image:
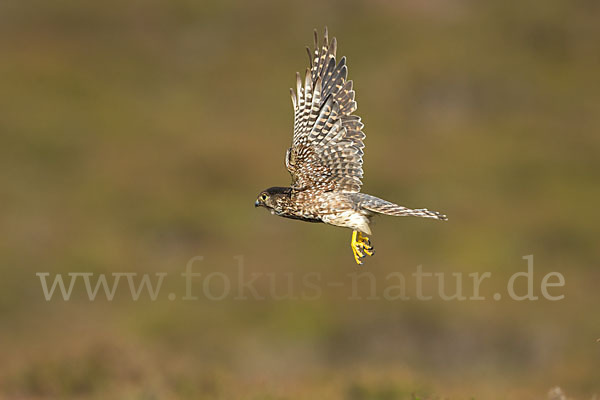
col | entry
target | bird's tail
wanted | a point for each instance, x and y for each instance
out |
(377, 205)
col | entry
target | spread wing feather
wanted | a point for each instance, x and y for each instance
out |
(326, 152)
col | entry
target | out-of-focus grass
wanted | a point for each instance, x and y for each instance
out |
(136, 136)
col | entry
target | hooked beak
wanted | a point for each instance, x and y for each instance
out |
(256, 203)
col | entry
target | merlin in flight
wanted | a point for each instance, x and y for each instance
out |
(325, 158)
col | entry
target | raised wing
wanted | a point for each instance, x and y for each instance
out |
(326, 152)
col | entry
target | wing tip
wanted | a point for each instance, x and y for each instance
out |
(293, 95)
(333, 46)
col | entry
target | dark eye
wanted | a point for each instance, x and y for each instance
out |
(263, 197)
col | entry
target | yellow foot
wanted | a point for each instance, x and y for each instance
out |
(361, 247)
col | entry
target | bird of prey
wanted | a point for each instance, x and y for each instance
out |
(325, 157)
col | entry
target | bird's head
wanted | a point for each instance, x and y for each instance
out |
(273, 199)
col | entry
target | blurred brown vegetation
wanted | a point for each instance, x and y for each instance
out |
(136, 135)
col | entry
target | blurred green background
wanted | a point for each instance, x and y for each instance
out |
(136, 135)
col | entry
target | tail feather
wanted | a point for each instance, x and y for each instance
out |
(377, 205)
